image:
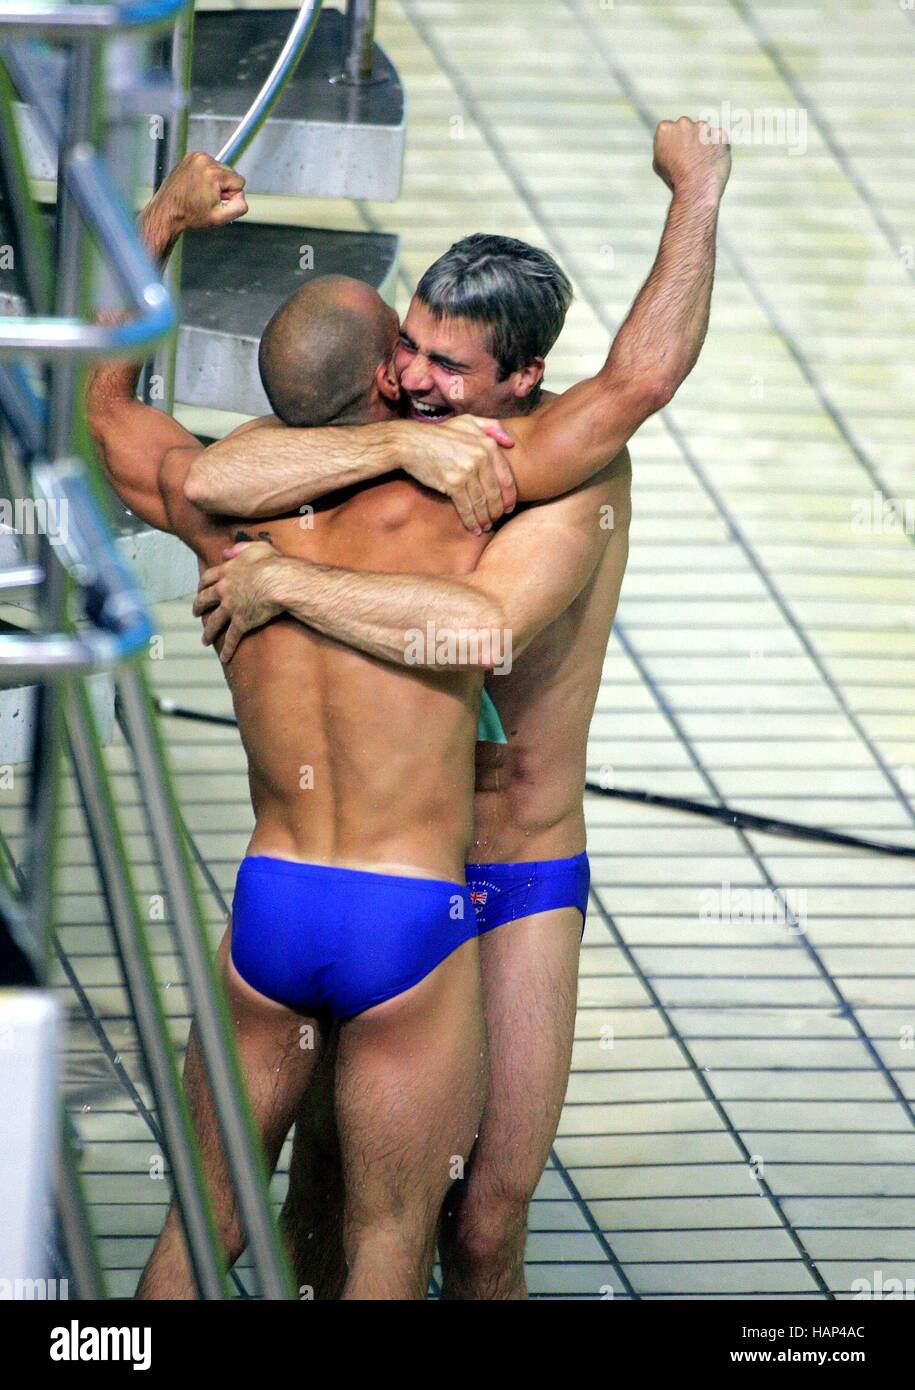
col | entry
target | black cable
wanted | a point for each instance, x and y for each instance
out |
(165, 706)
(740, 820)
(746, 820)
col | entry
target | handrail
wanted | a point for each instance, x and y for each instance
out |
(96, 196)
(21, 577)
(113, 600)
(285, 65)
(25, 659)
(102, 210)
(132, 944)
(81, 21)
(120, 622)
(44, 337)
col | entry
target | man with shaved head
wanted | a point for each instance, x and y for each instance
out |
(322, 347)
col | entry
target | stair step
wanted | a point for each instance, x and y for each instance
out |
(324, 138)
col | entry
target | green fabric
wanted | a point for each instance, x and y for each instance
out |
(489, 728)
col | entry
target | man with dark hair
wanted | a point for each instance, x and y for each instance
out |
(550, 580)
(517, 291)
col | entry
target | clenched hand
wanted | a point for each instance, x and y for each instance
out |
(692, 154)
(200, 193)
(464, 459)
(236, 593)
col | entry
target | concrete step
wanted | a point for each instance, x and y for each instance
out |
(325, 138)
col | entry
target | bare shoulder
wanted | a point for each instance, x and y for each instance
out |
(615, 477)
(186, 519)
(263, 422)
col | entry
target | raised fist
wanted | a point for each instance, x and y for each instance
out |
(692, 155)
(199, 192)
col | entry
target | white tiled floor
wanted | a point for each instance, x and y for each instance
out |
(764, 654)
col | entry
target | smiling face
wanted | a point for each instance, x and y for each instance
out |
(445, 368)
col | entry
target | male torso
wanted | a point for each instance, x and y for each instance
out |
(352, 761)
(528, 803)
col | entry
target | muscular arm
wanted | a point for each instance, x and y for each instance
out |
(133, 439)
(248, 474)
(529, 574)
(136, 442)
(573, 436)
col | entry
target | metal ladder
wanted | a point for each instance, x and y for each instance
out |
(83, 70)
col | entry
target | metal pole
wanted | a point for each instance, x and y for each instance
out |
(25, 223)
(360, 35)
(71, 293)
(216, 1042)
(77, 1233)
(287, 61)
(159, 378)
(143, 989)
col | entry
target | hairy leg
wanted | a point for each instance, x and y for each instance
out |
(277, 1050)
(409, 1096)
(312, 1215)
(529, 970)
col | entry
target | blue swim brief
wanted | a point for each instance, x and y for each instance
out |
(502, 893)
(319, 938)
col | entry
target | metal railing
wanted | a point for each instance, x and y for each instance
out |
(357, 62)
(297, 41)
(61, 19)
(45, 440)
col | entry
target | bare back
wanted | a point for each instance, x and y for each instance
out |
(353, 761)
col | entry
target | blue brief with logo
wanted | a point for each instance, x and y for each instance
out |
(502, 893)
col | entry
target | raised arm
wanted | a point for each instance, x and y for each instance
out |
(529, 573)
(573, 436)
(133, 439)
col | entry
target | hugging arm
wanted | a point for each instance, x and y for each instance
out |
(529, 573)
(252, 474)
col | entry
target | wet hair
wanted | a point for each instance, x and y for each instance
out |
(319, 353)
(517, 291)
